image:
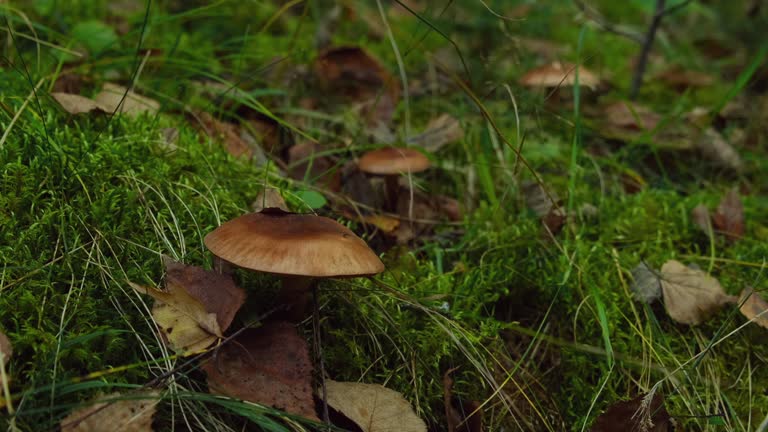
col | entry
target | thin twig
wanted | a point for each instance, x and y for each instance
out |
(608, 26)
(642, 62)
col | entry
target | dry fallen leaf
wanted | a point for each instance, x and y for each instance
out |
(645, 284)
(197, 306)
(690, 295)
(559, 74)
(680, 78)
(269, 365)
(6, 349)
(440, 131)
(729, 217)
(373, 407)
(754, 307)
(538, 199)
(463, 419)
(226, 133)
(114, 413)
(269, 198)
(702, 219)
(713, 146)
(305, 163)
(351, 73)
(75, 104)
(115, 98)
(635, 415)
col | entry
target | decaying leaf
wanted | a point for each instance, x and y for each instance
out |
(115, 98)
(449, 207)
(440, 132)
(713, 146)
(690, 295)
(75, 104)
(269, 365)
(559, 74)
(465, 418)
(353, 74)
(373, 407)
(114, 413)
(538, 199)
(729, 217)
(641, 414)
(646, 286)
(754, 307)
(680, 78)
(269, 198)
(702, 219)
(306, 163)
(197, 306)
(6, 349)
(227, 134)
(386, 224)
(631, 116)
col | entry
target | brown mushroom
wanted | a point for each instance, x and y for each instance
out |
(298, 247)
(559, 74)
(391, 162)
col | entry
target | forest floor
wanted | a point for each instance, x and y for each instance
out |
(571, 257)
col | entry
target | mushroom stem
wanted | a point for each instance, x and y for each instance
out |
(391, 189)
(296, 293)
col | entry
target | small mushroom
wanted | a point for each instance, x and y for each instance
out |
(298, 247)
(559, 74)
(391, 162)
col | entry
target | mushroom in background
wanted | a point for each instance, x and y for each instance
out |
(298, 247)
(390, 163)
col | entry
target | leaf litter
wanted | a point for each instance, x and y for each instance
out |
(196, 307)
(114, 413)
(640, 414)
(373, 407)
(269, 365)
(690, 295)
(754, 307)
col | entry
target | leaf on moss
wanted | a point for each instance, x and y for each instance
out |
(639, 414)
(466, 418)
(729, 217)
(118, 99)
(754, 307)
(440, 131)
(714, 146)
(6, 349)
(690, 295)
(75, 104)
(645, 284)
(269, 198)
(196, 306)
(226, 134)
(373, 407)
(131, 413)
(359, 78)
(269, 365)
(702, 219)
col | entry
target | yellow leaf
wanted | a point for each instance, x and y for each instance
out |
(373, 407)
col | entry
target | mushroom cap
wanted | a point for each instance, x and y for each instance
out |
(393, 160)
(559, 74)
(275, 241)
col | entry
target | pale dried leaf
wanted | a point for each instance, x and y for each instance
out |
(373, 407)
(754, 307)
(6, 349)
(75, 104)
(226, 134)
(690, 295)
(269, 198)
(645, 284)
(729, 217)
(441, 131)
(713, 146)
(537, 198)
(115, 98)
(702, 219)
(110, 414)
(269, 365)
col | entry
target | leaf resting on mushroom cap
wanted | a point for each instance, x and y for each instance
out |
(373, 407)
(690, 295)
(269, 365)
